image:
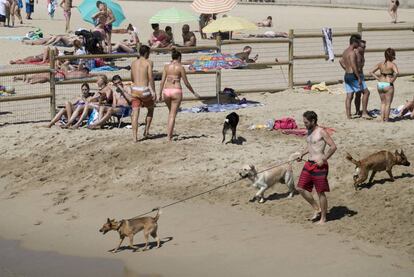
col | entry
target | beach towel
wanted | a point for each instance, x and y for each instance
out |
(302, 132)
(105, 68)
(285, 123)
(93, 117)
(327, 43)
(393, 111)
(12, 37)
(320, 87)
(220, 107)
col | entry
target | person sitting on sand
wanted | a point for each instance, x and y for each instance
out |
(130, 45)
(168, 31)
(159, 39)
(41, 58)
(104, 96)
(266, 23)
(121, 105)
(78, 104)
(244, 56)
(408, 107)
(189, 38)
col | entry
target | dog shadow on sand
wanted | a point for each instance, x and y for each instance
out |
(383, 181)
(277, 196)
(151, 245)
(338, 212)
(238, 141)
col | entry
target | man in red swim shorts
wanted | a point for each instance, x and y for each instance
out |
(315, 171)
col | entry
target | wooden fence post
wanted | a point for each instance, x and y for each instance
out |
(218, 72)
(360, 28)
(52, 83)
(290, 73)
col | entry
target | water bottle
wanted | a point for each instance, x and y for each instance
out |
(269, 124)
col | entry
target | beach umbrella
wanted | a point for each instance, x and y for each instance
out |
(172, 16)
(229, 23)
(213, 6)
(88, 8)
(215, 62)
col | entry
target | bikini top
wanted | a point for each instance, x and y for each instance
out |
(173, 79)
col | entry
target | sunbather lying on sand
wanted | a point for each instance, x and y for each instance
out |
(77, 105)
(266, 23)
(60, 40)
(41, 58)
(408, 107)
(270, 34)
(61, 74)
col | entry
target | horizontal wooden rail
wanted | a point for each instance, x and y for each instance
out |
(24, 72)
(101, 56)
(381, 50)
(186, 50)
(26, 97)
(258, 90)
(314, 57)
(320, 35)
(250, 41)
(387, 28)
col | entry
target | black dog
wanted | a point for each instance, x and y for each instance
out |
(230, 123)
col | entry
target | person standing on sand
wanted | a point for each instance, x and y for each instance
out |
(352, 78)
(360, 58)
(142, 90)
(30, 8)
(315, 170)
(392, 10)
(66, 5)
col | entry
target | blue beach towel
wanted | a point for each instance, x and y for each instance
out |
(220, 107)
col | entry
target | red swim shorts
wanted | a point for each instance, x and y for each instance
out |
(314, 176)
(146, 102)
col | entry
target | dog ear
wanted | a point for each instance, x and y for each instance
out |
(401, 152)
(252, 167)
(108, 220)
(396, 152)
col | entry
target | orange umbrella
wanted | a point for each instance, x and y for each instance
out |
(213, 6)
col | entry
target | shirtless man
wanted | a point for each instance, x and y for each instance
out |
(189, 38)
(392, 10)
(61, 74)
(245, 55)
(66, 5)
(315, 170)
(142, 90)
(352, 79)
(360, 58)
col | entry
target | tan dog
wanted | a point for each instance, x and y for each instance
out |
(282, 174)
(380, 161)
(129, 227)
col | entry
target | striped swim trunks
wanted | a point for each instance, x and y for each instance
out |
(314, 176)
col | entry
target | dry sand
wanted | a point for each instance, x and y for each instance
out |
(58, 186)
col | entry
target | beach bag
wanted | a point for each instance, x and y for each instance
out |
(93, 117)
(285, 123)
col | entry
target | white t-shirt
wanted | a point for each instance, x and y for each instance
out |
(3, 7)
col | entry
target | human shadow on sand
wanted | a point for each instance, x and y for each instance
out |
(151, 245)
(384, 180)
(277, 196)
(179, 138)
(338, 212)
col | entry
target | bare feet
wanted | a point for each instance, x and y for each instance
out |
(321, 222)
(315, 216)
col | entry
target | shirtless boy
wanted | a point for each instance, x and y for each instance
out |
(352, 78)
(142, 90)
(315, 171)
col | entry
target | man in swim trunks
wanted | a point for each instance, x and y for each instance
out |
(360, 58)
(352, 78)
(245, 55)
(315, 171)
(142, 90)
(189, 38)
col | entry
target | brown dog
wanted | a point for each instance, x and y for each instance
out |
(380, 161)
(129, 227)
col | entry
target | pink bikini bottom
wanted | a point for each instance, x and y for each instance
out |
(169, 92)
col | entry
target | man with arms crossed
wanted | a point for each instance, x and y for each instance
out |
(360, 58)
(142, 90)
(352, 79)
(315, 170)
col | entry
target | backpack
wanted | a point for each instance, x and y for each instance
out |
(285, 123)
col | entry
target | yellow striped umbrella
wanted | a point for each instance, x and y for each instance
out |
(213, 6)
(230, 23)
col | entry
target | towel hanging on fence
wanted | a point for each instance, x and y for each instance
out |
(327, 43)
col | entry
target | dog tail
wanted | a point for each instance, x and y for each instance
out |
(352, 160)
(157, 216)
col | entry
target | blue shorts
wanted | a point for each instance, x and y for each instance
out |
(124, 111)
(29, 8)
(351, 83)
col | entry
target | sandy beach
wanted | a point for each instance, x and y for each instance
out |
(57, 187)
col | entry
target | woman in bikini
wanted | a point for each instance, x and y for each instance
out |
(388, 74)
(75, 107)
(128, 46)
(392, 10)
(171, 89)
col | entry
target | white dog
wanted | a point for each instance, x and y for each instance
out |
(282, 174)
